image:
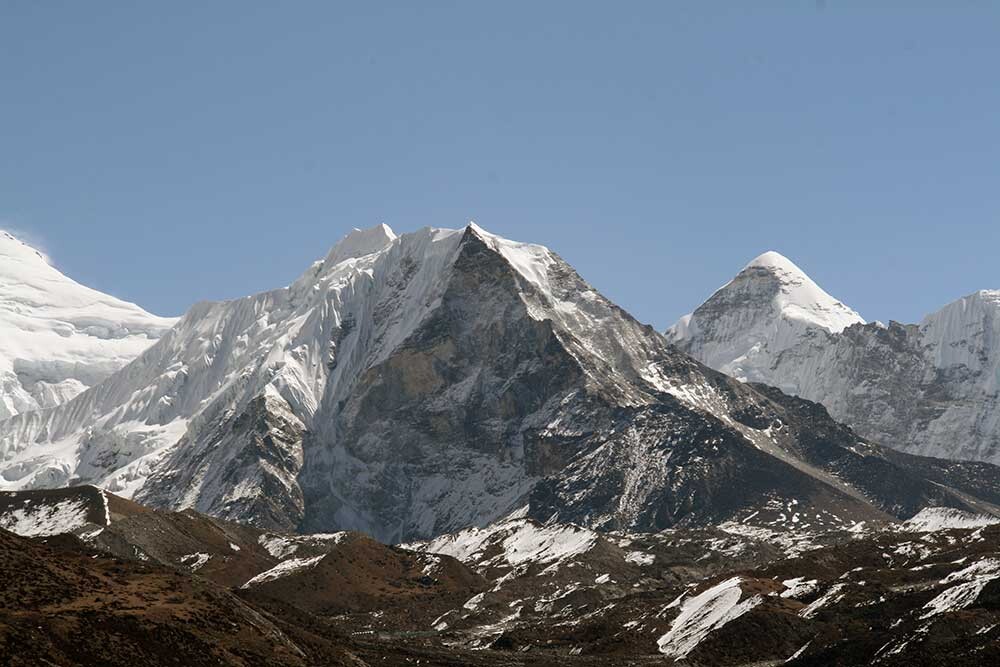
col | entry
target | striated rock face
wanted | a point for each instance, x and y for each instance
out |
(930, 389)
(244, 466)
(417, 385)
(58, 337)
(443, 431)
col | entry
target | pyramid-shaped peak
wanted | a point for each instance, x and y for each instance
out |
(474, 229)
(799, 296)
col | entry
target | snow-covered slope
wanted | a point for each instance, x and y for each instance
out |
(931, 389)
(58, 337)
(946, 518)
(415, 385)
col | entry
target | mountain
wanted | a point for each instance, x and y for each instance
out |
(416, 385)
(931, 389)
(59, 337)
(111, 579)
(769, 306)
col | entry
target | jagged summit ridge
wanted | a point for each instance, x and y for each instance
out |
(58, 336)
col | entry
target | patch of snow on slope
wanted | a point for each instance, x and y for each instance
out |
(195, 561)
(798, 587)
(539, 544)
(974, 579)
(64, 516)
(834, 594)
(799, 652)
(639, 558)
(518, 541)
(107, 507)
(473, 603)
(283, 546)
(793, 543)
(283, 569)
(703, 614)
(931, 519)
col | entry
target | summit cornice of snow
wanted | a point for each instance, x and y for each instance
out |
(13, 249)
(28, 276)
(361, 242)
(773, 259)
(58, 337)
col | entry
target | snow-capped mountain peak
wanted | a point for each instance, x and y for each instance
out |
(59, 337)
(914, 386)
(774, 259)
(767, 308)
(800, 297)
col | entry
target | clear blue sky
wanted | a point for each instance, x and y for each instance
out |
(177, 151)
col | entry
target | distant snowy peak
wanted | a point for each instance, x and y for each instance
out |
(795, 295)
(931, 389)
(768, 307)
(58, 337)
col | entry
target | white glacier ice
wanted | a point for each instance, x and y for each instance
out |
(58, 337)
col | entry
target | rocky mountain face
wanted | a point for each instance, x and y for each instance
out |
(93, 579)
(59, 337)
(411, 386)
(931, 389)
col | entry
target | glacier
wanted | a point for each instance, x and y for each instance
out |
(60, 337)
